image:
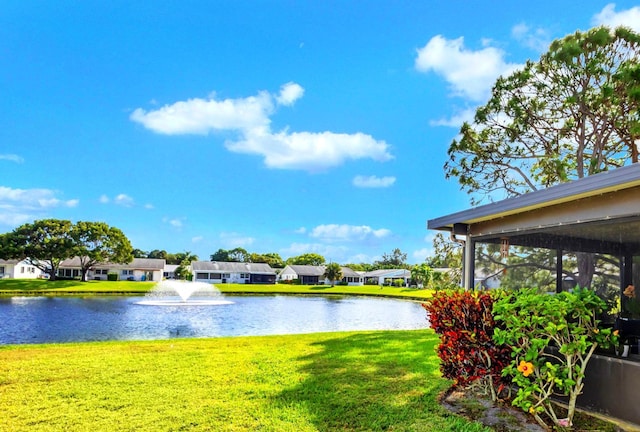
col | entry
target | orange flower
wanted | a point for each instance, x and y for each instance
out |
(616, 332)
(596, 330)
(525, 367)
(630, 291)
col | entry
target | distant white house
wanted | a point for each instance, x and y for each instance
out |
(352, 277)
(19, 269)
(233, 272)
(485, 280)
(387, 276)
(169, 271)
(140, 269)
(314, 275)
(305, 274)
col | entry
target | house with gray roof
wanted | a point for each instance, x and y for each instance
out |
(170, 271)
(314, 275)
(140, 269)
(233, 272)
(19, 269)
(352, 277)
(304, 274)
(387, 276)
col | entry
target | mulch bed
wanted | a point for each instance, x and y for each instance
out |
(501, 416)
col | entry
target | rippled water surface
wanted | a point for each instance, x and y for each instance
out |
(68, 319)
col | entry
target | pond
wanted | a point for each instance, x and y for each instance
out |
(97, 318)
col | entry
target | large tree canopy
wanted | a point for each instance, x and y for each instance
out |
(44, 243)
(97, 242)
(233, 255)
(307, 259)
(271, 258)
(181, 257)
(571, 114)
(395, 259)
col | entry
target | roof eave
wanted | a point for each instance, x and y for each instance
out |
(597, 184)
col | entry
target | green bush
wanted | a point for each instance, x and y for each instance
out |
(552, 339)
(468, 354)
(112, 276)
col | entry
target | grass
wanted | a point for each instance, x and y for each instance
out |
(58, 287)
(352, 381)
(45, 287)
(373, 290)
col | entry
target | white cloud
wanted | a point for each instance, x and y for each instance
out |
(609, 17)
(373, 181)
(12, 157)
(234, 240)
(48, 202)
(18, 206)
(201, 116)
(124, 200)
(362, 258)
(310, 151)
(537, 39)
(33, 198)
(250, 119)
(301, 230)
(15, 218)
(174, 222)
(335, 232)
(469, 73)
(197, 239)
(421, 255)
(289, 93)
(329, 252)
(466, 115)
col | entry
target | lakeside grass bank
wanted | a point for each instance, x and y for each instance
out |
(350, 381)
(15, 287)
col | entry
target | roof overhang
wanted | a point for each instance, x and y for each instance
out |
(599, 212)
(598, 184)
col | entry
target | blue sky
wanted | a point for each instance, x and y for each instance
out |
(275, 126)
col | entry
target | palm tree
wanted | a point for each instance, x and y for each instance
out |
(333, 272)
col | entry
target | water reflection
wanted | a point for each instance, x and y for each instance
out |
(67, 319)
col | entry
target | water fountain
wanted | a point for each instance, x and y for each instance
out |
(184, 293)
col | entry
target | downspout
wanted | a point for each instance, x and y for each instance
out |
(464, 254)
(467, 261)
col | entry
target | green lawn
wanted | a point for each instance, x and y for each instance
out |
(352, 381)
(326, 289)
(43, 286)
(39, 286)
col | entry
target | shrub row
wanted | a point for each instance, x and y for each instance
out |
(540, 343)
(467, 352)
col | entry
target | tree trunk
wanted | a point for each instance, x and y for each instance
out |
(586, 268)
